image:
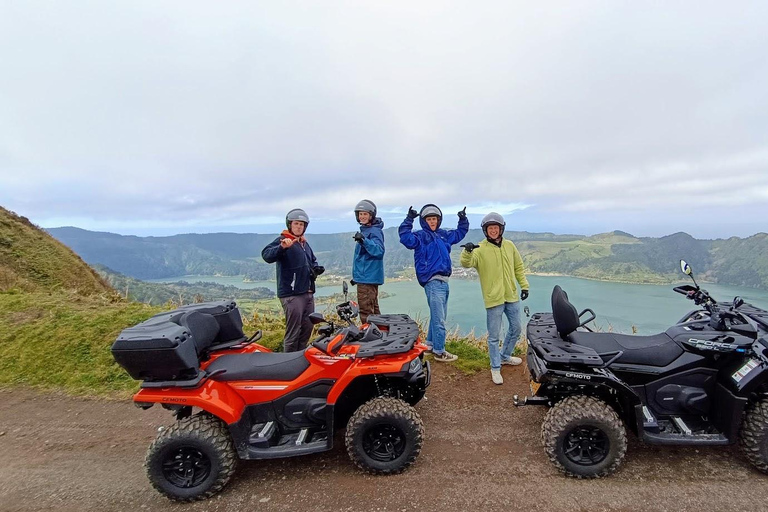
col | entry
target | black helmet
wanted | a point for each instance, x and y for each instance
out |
(365, 206)
(431, 210)
(297, 214)
(489, 220)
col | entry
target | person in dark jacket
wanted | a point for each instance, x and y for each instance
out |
(296, 270)
(432, 259)
(368, 263)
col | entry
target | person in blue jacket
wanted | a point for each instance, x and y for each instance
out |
(432, 259)
(368, 264)
(296, 270)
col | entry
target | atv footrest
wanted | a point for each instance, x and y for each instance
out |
(676, 431)
(262, 434)
(291, 445)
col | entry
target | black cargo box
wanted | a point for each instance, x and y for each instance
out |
(168, 345)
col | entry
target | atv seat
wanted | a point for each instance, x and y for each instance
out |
(259, 366)
(656, 350)
(567, 320)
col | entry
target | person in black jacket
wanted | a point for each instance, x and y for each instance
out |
(296, 270)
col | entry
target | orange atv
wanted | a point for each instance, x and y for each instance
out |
(256, 404)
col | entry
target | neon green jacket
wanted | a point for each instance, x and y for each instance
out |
(498, 267)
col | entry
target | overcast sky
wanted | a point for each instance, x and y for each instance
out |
(149, 117)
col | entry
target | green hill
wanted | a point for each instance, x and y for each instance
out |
(58, 317)
(614, 256)
(32, 260)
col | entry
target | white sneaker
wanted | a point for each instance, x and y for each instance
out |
(496, 377)
(445, 357)
(512, 361)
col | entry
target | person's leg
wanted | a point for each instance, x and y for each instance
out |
(376, 310)
(366, 298)
(437, 298)
(308, 307)
(493, 318)
(512, 311)
(293, 308)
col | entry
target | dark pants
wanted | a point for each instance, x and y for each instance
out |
(368, 300)
(298, 327)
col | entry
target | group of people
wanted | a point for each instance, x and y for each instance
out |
(496, 259)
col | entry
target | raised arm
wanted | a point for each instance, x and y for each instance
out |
(272, 252)
(407, 238)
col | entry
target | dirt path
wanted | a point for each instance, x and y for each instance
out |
(61, 453)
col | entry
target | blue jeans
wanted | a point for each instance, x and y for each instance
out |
(437, 299)
(494, 317)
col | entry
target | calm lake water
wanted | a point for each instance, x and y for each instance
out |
(650, 308)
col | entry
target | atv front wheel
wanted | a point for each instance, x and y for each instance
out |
(384, 436)
(754, 435)
(584, 437)
(191, 460)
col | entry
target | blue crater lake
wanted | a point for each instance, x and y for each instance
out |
(618, 306)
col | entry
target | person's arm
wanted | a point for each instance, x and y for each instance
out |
(273, 252)
(457, 235)
(407, 238)
(374, 244)
(520, 269)
(469, 259)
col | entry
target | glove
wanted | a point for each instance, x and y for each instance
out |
(412, 214)
(463, 213)
(523, 294)
(359, 237)
(318, 270)
(469, 247)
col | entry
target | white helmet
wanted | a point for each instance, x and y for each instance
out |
(491, 219)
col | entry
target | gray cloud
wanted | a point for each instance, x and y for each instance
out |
(134, 115)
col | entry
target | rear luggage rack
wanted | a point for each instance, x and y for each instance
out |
(400, 334)
(545, 340)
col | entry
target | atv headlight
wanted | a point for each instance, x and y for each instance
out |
(415, 366)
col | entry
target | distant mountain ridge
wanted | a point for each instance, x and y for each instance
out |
(615, 256)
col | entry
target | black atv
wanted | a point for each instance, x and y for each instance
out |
(702, 382)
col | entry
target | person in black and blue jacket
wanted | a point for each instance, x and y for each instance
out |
(296, 270)
(368, 263)
(432, 259)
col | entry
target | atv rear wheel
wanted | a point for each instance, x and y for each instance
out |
(584, 437)
(754, 435)
(191, 460)
(384, 436)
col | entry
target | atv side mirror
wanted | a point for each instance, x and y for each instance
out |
(687, 270)
(316, 318)
(345, 289)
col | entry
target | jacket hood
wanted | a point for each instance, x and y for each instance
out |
(423, 222)
(377, 223)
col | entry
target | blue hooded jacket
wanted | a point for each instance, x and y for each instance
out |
(368, 265)
(432, 249)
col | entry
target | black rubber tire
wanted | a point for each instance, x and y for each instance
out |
(754, 435)
(385, 413)
(583, 413)
(203, 435)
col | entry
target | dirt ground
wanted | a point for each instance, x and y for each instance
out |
(480, 453)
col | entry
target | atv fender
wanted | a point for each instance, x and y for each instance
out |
(213, 397)
(390, 367)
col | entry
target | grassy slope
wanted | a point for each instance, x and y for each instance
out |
(31, 259)
(62, 340)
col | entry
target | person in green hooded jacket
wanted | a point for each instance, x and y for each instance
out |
(500, 267)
